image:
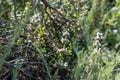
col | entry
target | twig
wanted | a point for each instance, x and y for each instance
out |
(15, 4)
(29, 75)
(54, 9)
(22, 63)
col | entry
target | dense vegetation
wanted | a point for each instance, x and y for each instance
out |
(59, 39)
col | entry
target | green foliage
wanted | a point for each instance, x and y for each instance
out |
(60, 39)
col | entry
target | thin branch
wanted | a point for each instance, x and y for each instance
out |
(15, 4)
(54, 9)
(28, 74)
(22, 63)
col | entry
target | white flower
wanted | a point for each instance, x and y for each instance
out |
(29, 41)
(62, 50)
(99, 35)
(115, 31)
(78, 29)
(114, 9)
(35, 18)
(65, 64)
(62, 40)
(66, 33)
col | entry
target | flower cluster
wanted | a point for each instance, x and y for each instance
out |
(35, 18)
(97, 42)
(61, 64)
